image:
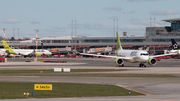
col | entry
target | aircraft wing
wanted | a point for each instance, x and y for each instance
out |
(162, 55)
(108, 56)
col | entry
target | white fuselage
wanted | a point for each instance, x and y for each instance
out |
(31, 51)
(46, 52)
(174, 51)
(24, 52)
(135, 55)
(28, 51)
(2, 51)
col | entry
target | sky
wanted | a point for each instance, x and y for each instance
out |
(53, 18)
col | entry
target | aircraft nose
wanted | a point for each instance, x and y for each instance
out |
(145, 58)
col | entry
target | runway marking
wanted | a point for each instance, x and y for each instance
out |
(53, 81)
(22, 76)
(175, 65)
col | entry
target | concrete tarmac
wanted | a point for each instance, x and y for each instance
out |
(167, 89)
(99, 62)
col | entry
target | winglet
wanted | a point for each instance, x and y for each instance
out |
(118, 42)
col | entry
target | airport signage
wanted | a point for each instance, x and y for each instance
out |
(42, 86)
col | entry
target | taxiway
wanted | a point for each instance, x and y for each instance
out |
(165, 89)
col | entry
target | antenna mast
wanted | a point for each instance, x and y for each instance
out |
(154, 20)
(72, 28)
(114, 27)
(150, 25)
(18, 32)
(117, 23)
(14, 33)
(75, 27)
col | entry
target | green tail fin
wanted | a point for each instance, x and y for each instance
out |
(118, 42)
(7, 48)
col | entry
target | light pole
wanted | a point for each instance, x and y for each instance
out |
(36, 41)
(75, 33)
(4, 41)
(14, 33)
(18, 32)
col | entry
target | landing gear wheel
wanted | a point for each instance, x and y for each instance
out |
(121, 65)
(142, 65)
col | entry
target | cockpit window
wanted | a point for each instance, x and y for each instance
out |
(144, 54)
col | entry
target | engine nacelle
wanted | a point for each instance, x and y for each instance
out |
(119, 62)
(7, 51)
(38, 54)
(152, 61)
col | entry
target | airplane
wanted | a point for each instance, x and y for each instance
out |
(132, 56)
(175, 47)
(25, 52)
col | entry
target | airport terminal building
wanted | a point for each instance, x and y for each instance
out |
(157, 39)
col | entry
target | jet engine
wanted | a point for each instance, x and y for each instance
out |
(152, 61)
(38, 54)
(7, 51)
(119, 62)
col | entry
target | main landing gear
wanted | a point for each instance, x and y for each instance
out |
(121, 65)
(142, 64)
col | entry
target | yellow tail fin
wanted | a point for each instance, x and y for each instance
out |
(7, 48)
(118, 42)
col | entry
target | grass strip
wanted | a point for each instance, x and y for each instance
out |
(16, 90)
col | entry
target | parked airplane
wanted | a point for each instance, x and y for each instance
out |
(132, 56)
(25, 52)
(175, 47)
